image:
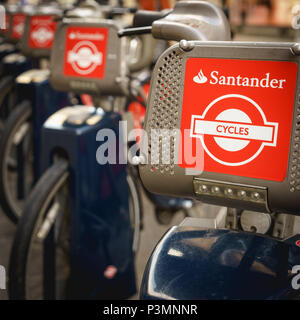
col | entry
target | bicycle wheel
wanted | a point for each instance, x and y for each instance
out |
(39, 261)
(135, 211)
(49, 203)
(16, 161)
(8, 98)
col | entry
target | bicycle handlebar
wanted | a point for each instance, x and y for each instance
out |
(189, 20)
(145, 18)
(127, 32)
(115, 11)
(142, 22)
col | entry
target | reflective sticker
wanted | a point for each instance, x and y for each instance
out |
(110, 272)
(242, 112)
(18, 21)
(41, 32)
(85, 52)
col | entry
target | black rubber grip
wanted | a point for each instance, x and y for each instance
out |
(120, 11)
(145, 18)
(134, 31)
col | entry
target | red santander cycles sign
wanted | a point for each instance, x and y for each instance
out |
(85, 52)
(41, 32)
(18, 21)
(242, 112)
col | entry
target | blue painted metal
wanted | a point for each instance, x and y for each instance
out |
(9, 70)
(5, 51)
(44, 101)
(101, 234)
(190, 263)
(15, 68)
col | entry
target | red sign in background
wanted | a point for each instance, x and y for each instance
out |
(41, 32)
(85, 52)
(18, 21)
(244, 125)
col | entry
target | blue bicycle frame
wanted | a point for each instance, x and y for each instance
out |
(101, 234)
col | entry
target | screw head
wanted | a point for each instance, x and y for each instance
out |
(118, 80)
(203, 188)
(256, 196)
(229, 192)
(186, 45)
(137, 160)
(242, 194)
(215, 189)
(296, 48)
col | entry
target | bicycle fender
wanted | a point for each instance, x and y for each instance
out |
(194, 263)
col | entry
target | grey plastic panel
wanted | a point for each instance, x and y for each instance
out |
(12, 10)
(164, 111)
(113, 81)
(42, 32)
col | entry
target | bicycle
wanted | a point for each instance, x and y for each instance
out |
(109, 207)
(254, 253)
(28, 84)
(12, 62)
(79, 182)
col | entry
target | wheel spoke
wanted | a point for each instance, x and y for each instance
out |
(20, 134)
(20, 171)
(48, 222)
(49, 266)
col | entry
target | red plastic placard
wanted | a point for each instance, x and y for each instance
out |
(41, 32)
(85, 52)
(242, 112)
(18, 21)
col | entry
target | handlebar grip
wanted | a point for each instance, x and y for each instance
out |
(134, 31)
(144, 18)
(120, 11)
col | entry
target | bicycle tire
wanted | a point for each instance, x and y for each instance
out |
(35, 207)
(136, 218)
(6, 90)
(17, 118)
(34, 210)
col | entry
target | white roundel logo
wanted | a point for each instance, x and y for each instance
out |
(234, 130)
(42, 35)
(84, 57)
(18, 28)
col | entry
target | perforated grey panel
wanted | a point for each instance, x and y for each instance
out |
(294, 171)
(114, 81)
(164, 114)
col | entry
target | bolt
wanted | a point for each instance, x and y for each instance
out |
(118, 80)
(203, 188)
(255, 196)
(296, 49)
(229, 192)
(137, 160)
(186, 45)
(216, 190)
(242, 194)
